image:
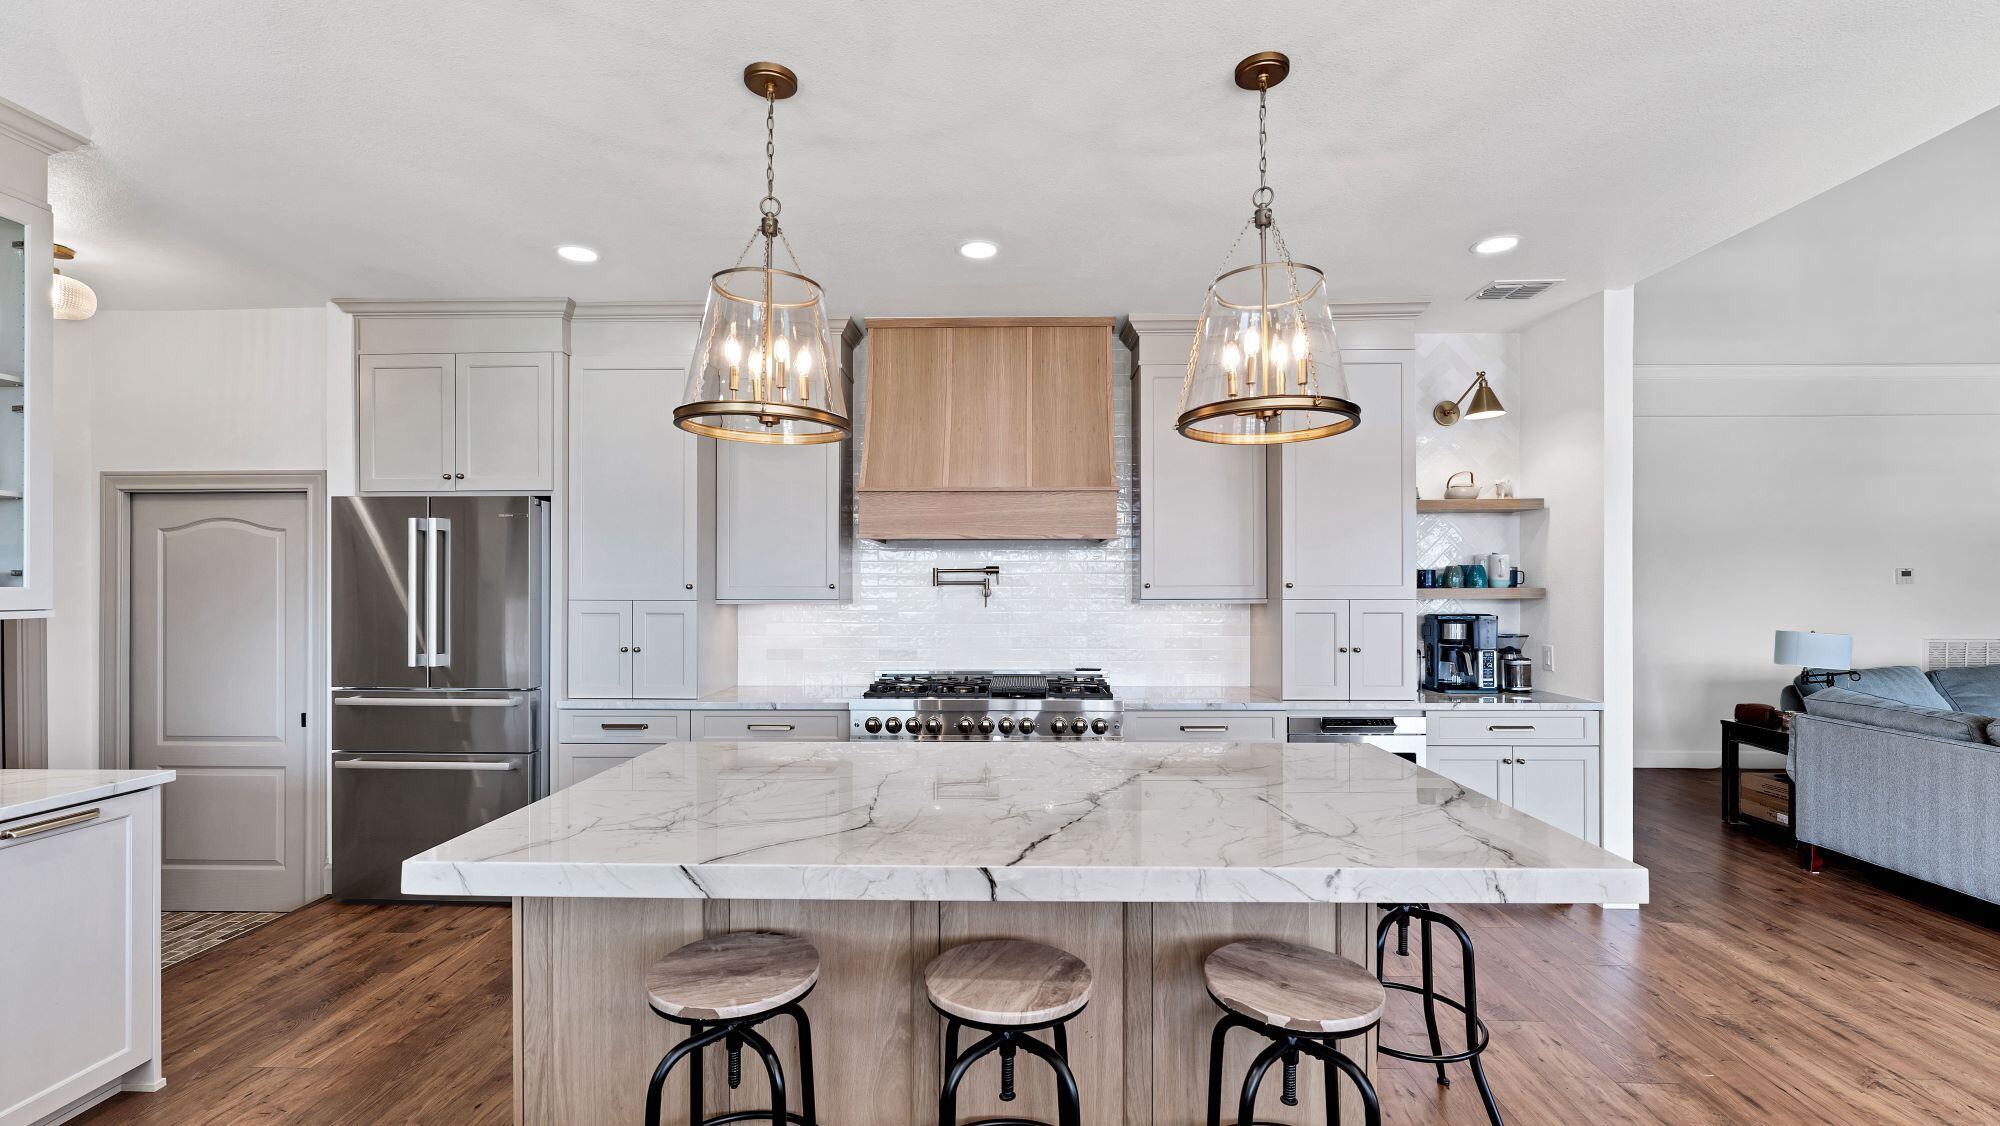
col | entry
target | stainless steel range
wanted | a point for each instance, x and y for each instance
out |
(951, 706)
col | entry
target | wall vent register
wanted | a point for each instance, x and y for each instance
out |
(966, 706)
(1518, 290)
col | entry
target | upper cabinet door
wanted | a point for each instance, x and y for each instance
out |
(1201, 505)
(405, 429)
(506, 427)
(632, 475)
(1350, 500)
(777, 522)
(27, 338)
(1382, 650)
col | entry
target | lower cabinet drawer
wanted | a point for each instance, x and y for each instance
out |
(770, 727)
(1198, 727)
(1512, 727)
(621, 727)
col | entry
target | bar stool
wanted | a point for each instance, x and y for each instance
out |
(1303, 1000)
(721, 988)
(1476, 1037)
(1007, 988)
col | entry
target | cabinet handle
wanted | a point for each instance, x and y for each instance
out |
(623, 726)
(1204, 727)
(51, 824)
(1510, 727)
(769, 726)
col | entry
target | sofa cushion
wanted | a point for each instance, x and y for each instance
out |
(1904, 684)
(1894, 715)
(1976, 689)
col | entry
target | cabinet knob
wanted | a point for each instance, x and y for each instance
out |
(635, 649)
(1357, 649)
(832, 586)
(1288, 586)
(689, 586)
(460, 476)
(1149, 586)
(447, 476)
(1343, 648)
(624, 648)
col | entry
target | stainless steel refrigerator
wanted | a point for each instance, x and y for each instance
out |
(439, 610)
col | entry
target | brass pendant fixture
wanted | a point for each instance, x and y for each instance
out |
(1265, 366)
(763, 368)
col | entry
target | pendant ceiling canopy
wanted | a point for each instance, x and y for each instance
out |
(1265, 366)
(763, 367)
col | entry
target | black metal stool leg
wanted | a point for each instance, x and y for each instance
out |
(806, 1092)
(1216, 1042)
(695, 1042)
(774, 1073)
(696, 1081)
(955, 1074)
(1069, 1104)
(1332, 1092)
(1430, 1006)
(1473, 1027)
(1246, 1103)
(1371, 1104)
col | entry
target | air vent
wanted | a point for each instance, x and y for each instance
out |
(1960, 653)
(1518, 290)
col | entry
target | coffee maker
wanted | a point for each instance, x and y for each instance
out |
(1461, 652)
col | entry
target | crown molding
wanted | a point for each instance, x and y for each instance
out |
(453, 307)
(1384, 309)
(637, 311)
(37, 132)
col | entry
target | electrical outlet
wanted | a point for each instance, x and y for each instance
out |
(1548, 658)
(1906, 576)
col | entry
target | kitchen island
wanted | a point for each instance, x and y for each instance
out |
(1138, 858)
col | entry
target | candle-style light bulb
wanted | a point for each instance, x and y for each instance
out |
(781, 354)
(1280, 355)
(1299, 351)
(1232, 358)
(732, 355)
(802, 366)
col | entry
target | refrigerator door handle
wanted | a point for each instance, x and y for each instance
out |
(441, 640)
(415, 764)
(428, 701)
(410, 590)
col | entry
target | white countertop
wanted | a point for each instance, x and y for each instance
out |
(785, 697)
(1093, 822)
(27, 792)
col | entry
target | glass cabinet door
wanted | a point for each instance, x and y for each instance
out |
(16, 291)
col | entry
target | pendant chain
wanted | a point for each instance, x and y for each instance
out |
(770, 149)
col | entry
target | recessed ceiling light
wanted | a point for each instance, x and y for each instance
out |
(978, 248)
(577, 253)
(1496, 244)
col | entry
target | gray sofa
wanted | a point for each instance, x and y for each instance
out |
(1901, 769)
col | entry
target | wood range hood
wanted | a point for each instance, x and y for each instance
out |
(987, 429)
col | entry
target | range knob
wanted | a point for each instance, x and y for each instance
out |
(1058, 726)
(934, 725)
(965, 725)
(986, 725)
(1027, 725)
(1099, 726)
(894, 725)
(873, 725)
(1007, 725)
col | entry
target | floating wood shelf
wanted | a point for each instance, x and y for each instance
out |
(1488, 504)
(1481, 593)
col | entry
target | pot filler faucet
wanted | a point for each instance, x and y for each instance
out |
(985, 578)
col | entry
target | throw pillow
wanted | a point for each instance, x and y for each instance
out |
(1893, 715)
(1904, 684)
(1975, 689)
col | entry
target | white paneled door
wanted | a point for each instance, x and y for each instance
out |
(220, 677)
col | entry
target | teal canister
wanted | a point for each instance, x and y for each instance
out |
(1452, 577)
(1475, 574)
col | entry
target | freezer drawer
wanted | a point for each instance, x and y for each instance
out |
(437, 722)
(389, 807)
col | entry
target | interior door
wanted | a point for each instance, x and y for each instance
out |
(219, 684)
(490, 559)
(404, 432)
(504, 420)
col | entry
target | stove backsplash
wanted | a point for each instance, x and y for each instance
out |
(1067, 604)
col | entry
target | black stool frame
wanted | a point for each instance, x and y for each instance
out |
(1400, 915)
(1287, 1045)
(737, 1032)
(1007, 1039)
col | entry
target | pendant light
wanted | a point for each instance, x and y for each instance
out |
(71, 299)
(763, 367)
(1265, 366)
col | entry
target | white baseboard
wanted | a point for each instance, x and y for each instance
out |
(1704, 759)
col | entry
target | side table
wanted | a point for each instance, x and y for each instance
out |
(1736, 736)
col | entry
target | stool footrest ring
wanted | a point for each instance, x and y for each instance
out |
(1477, 1046)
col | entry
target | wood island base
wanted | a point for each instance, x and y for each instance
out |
(585, 1041)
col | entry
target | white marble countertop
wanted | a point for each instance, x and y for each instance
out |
(783, 697)
(24, 793)
(1097, 822)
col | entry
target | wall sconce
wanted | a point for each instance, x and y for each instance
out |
(1485, 404)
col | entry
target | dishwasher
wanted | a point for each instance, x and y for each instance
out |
(1401, 735)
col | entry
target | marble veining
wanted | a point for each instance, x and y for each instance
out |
(27, 792)
(1095, 822)
(1167, 698)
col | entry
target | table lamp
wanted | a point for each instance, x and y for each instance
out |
(1821, 657)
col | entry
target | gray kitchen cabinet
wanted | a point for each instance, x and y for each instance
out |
(778, 522)
(1201, 504)
(633, 501)
(1349, 649)
(575, 762)
(1347, 504)
(466, 422)
(663, 650)
(1545, 764)
(619, 725)
(631, 650)
(600, 650)
(770, 727)
(1204, 727)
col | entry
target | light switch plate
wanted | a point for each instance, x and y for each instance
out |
(1548, 658)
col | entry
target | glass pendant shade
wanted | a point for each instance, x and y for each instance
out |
(72, 300)
(1266, 361)
(764, 368)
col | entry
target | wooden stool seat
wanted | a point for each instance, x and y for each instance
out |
(1289, 986)
(731, 976)
(1007, 982)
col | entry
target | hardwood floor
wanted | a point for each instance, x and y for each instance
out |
(1748, 992)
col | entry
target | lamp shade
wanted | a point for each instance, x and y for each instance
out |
(71, 299)
(1484, 404)
(1809, 650)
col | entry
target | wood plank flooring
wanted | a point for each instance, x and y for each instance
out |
(1748, 992)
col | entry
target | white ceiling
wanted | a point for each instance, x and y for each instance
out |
(280, 154)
